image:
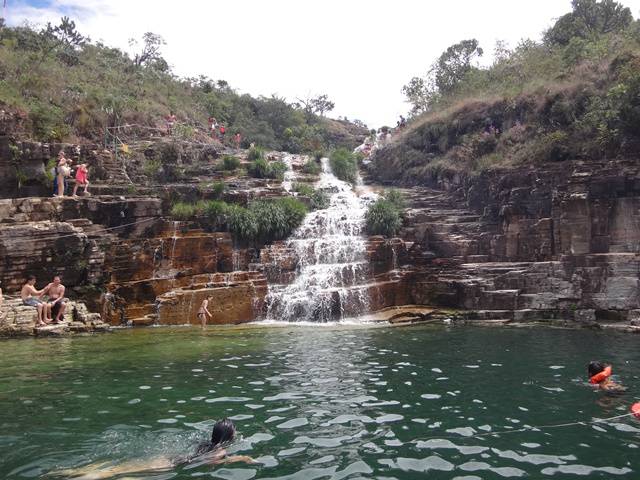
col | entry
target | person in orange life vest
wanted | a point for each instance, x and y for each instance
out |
(600, 375)
(222, 132)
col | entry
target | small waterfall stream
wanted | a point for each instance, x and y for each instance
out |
(333, 268)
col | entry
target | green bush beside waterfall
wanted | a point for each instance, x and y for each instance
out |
(260, 222)
(384, 216)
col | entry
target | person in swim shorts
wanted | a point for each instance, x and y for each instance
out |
(57, 302)
(203, 312)
(31, 298)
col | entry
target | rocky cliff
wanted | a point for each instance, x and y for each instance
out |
(556, 241)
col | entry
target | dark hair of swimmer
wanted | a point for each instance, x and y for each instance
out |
(595, 368)
(223, 431)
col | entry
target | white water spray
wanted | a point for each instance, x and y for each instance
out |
(333, 267)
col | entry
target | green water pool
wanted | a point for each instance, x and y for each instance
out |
(322, 402)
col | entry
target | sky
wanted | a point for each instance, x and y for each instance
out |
(359, 52)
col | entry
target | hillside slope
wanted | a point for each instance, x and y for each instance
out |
(569, 97)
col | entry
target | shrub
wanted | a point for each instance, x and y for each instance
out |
(277, 219)
(317, 198)
(395, 197)
(218, 189)
(255, 153)
(344, 165)
(183, 211)
(303, 189)
(241, 223)
(230, 163)
(311, 167)
(276, 170)
(259, 168)
(152, 168)
(383, 218)
(214, 209)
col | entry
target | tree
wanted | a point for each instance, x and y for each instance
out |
(319, 104)
(454, 64)
(589, 19)
(150, 54)
(64, 39)
(420, 93)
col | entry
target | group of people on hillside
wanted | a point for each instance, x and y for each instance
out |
(51, 309)
(62, 171)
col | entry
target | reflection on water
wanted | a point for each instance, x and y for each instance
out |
(320, 403)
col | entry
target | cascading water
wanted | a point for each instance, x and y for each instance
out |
(333, 267)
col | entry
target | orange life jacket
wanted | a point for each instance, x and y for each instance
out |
(602, 376)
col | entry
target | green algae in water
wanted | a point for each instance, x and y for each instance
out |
(321, 402)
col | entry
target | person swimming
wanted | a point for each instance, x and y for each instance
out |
(600, 375)
(211, 452)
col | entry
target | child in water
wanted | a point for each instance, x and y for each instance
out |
(210, 452)
(600, 375)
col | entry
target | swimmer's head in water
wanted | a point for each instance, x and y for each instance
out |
(223, 431)
(595, 368)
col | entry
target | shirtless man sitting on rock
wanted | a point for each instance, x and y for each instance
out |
(55, 291)
(31, 298)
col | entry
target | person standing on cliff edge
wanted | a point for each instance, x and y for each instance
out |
(203, 312)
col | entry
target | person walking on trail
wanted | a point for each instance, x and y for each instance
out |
(203, 312)
(171, 121)
(63, 170)
(82, 174)
(57, 302)
(31, 298)
(213, 126)
(237, 139)
(222, 133)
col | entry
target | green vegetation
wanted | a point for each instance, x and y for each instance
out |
(230, 163)
(574, 95)
(317, 198)
(344, 165)
(67, 87)
(384, 216)
(262, 221)
(261, 168)
(311, 167)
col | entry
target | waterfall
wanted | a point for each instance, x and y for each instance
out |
(332, 262)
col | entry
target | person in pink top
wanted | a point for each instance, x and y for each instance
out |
(82, 174)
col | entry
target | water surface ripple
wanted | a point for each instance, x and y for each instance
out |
(316, 403)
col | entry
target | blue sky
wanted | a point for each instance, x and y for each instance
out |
(359, 52)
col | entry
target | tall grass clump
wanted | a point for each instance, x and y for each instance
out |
(344, 165)
(311, 167)
(230, 163)
(317, 198)
(384, 216)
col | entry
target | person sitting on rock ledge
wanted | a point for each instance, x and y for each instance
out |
(31, 298)
(212, 452)
(57, 302)
(600, 375)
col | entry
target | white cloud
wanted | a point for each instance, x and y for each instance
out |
(359, 52)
